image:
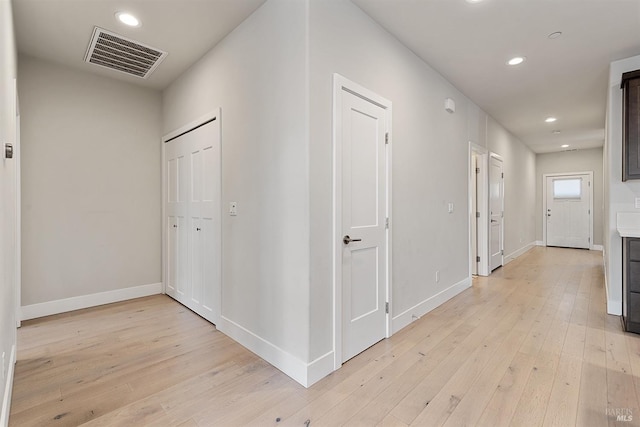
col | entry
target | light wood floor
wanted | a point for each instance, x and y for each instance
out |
(531, 345)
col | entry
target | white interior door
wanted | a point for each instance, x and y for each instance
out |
(479, 210)
(568, 211)
(474, 210)
(362, 134)
(176, 156)
(193, 209)
(496, 212)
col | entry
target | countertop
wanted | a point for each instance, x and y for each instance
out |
(628, 224)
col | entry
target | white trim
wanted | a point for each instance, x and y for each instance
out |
(163, 220)
(341, 83)
(389, 210)
(304, 373)
(422, 308)
(544, 203)
(497, 157)
(597, 248)
(337, 226)
(539, 243)
(213, 114)
(613, 307)
(515, 254)
(319, 368)
(18, 209)
(8, 388)
(483, 208)
(48, 308)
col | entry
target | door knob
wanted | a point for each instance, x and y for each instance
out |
(346, 240)
(494, 220)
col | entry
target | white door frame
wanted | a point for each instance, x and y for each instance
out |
(206, 118)
(544, 202)
(340, 83)
(482, 207)
(17, 158)
(498, 157)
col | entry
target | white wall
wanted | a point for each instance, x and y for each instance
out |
(272, 78)
(258, 76)
(7, 207)
(571, 161)
(621, 195)
(519, 166)
(430, 155)
(91, 184)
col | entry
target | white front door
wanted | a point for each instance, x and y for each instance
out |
(496, 211)
(193, 210)
(362, 127)
(568, 212)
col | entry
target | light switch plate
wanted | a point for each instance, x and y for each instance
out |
(233, 208)
(450, 207)
(637, 202)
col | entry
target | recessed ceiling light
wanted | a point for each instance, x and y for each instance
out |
(128, 19)
(517, 60)
(555, 132)
(550, 119)
(473, 1)
(564, 146)
(555, 35)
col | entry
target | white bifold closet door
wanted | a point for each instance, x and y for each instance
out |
(193, 209)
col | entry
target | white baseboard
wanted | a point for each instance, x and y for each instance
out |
(8, 388)
(304, 373)
(320, 368)
(516, 254)
(593, 248)
(422, 308)
(613, 307)
(281, 359)
(85, 301)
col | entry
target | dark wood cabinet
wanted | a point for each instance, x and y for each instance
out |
(631, 284)
(631, 125)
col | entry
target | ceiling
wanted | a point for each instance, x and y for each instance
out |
(565, 77)
(60, 30)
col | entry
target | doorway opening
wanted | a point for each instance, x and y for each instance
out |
(478, 209)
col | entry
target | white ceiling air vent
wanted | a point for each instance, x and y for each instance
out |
(119, 53)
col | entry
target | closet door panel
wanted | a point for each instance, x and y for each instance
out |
(193, 233)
